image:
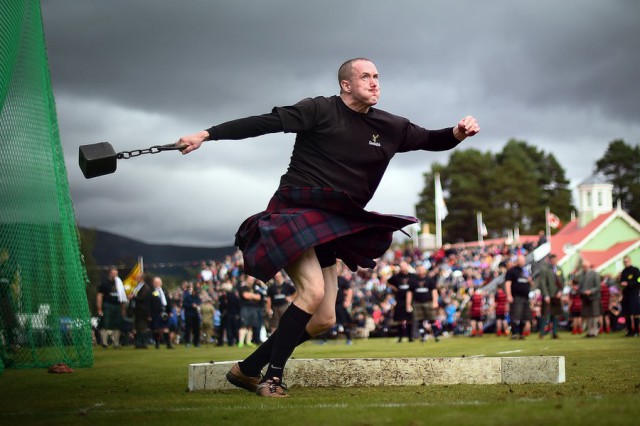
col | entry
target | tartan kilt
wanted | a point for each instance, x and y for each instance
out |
(297, 219)
(519, 310)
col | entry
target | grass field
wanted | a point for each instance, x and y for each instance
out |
(150, 387)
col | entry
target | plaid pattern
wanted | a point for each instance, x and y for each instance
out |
(297, 219)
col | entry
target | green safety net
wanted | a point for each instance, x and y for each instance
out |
(44, 315)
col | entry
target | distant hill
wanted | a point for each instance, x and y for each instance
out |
(112, 249)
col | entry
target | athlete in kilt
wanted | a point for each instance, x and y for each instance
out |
(342, 149)
(517, 283)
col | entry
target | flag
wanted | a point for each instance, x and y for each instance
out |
(553, 221)
(131, 281)
(441, 206)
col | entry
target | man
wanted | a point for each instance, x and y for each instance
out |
(250, 304)
(159, 314)
(590, 294)
(139, 304)
(517, 285)
(191, 306)
(344, 299)
(605, 303)
(630, 284)
(343, 146)
(110, 302)
(423, 299)
(400, 284)
(9, 306)
(279, 295)
(551, 284)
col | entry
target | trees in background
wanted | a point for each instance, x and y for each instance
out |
(511, 189)
(621, 165)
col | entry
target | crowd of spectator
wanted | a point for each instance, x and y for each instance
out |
(411, 293)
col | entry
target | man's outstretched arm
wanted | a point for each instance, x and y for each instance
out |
(236, 129)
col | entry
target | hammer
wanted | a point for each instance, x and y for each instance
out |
(101, 159)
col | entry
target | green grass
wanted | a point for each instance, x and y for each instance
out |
(150, 387)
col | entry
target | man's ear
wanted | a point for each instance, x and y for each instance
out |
(346, 87)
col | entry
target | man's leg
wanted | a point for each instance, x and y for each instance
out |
(322, 320)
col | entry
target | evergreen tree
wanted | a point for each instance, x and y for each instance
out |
(511, 189)
(621, 165)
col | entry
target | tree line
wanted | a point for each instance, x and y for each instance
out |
(513, 187)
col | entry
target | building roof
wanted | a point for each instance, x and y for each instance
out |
(600, 257)
(595, 179)
(572, 234)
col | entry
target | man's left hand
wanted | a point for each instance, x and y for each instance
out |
(468, 126)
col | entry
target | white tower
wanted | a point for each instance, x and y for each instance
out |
(595, 197)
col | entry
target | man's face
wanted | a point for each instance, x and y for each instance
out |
(363, 84)
(627, 261)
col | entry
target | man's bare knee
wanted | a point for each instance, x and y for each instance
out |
(320, 324)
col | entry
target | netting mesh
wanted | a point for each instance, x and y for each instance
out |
(44, 315)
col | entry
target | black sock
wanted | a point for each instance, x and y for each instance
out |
(292, 327)
(636, 322)
(254, 363)
(167, 340)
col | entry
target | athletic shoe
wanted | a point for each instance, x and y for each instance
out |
(236, 377)
(273, 388)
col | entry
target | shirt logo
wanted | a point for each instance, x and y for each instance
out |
(374, 142)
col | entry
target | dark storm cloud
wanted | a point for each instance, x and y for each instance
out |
(560, 75)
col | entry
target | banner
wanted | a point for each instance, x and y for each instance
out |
(131, 281)
(554, 221)
(441, 206)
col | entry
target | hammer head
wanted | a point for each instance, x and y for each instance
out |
(97, 159)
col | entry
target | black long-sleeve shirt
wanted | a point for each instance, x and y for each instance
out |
(337, 147)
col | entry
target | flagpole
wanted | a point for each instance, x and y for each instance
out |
(438, 188)
(479, 224)
(546, 220)
(141, 264)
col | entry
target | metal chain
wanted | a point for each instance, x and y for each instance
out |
(125, 155)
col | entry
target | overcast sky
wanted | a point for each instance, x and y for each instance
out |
(560, 75)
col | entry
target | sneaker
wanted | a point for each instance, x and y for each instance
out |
(236, 377)
(273, 388)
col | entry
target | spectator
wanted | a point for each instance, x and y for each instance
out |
(575, 307)
(159, 314)
(477, 311)
(517, 285)
(230, 312)
(423, 299)
(502, 328)
(110, 303)
(590, 292)
(344, 320)
(605, 301)
(249, 305)
(280, 294)
(191, 306)
(400, 284)
(551, 285)
(139, 305)
(630, 285)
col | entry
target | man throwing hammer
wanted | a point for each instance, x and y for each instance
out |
(342, 149)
